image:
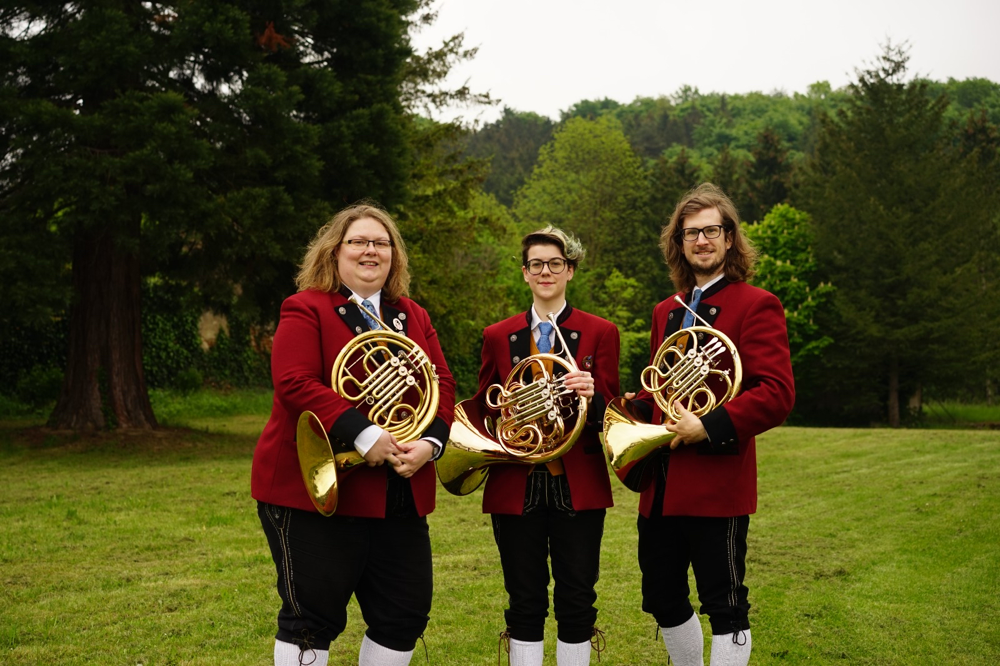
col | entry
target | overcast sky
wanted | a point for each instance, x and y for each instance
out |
(545, 55)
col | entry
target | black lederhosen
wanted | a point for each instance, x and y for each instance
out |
(550, 526)
(716, 548)
(321, 561)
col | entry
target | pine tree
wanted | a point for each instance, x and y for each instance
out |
(882, 189)
(728, 172)
(769, 175)
(206, 141)
(670, 180)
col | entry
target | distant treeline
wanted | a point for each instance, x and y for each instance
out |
(874, 207)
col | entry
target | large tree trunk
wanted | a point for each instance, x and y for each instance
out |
(104, 385)
(893, 391)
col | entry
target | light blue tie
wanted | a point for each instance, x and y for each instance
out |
(366, 311)
(544, 342)
(688, 317)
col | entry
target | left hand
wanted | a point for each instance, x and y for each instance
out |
(581, 382)
(689, 429)
(414, 456)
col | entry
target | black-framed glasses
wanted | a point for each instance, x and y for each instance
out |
(362, 243)
(557, 265)
(712, 231)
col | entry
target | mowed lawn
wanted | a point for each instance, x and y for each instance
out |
(869, 547)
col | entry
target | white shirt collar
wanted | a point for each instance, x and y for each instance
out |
(710, 282)
(536, 320)
(376, 300)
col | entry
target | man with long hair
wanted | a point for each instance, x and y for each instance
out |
(696, 511)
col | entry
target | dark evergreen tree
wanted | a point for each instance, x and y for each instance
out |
(885, 189)
(768, 176)
(651, 126)
(511, 144)
(670, 179)
(206, 141)
(729, 173)
(980, 147)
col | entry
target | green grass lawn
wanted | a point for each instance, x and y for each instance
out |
(869, 547)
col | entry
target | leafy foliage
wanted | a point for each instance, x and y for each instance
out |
(786, 267)
(458, 239)
(590, 182)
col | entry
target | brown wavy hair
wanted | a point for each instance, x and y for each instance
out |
(319, 267)
(741, 255)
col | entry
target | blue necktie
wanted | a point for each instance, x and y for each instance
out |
(688, 317)
(544, 343)
(366, 311)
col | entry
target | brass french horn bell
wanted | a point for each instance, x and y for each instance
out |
(530, 419)
(689, 368)
(390, 374)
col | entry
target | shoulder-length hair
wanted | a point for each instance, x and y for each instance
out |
(741, 255)
(319, 268)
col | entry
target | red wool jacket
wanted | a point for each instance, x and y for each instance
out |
(313, 328)
(718, 477)
(595, 345)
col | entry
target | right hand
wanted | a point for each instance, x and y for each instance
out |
(383, 450)
(629, 395)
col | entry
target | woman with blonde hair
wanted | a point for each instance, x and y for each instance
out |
(376, 545)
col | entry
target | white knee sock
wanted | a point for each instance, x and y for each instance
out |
(527, 653)
(685, 643)
(572, 654)
(288, 654)
(731, 649)
(373, 654)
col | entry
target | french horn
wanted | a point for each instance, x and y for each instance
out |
(530, 419)
(390, 374)
(698, 367)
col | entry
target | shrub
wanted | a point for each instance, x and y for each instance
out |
(40, 386)
(188, 380)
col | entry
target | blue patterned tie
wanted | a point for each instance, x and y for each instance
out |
(366, 311)
(544, 343)
(688, 317)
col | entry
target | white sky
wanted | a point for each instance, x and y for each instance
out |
(546, 55)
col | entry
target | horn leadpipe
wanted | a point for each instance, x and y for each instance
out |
(354, 299)
(697, 316)
(562, 341)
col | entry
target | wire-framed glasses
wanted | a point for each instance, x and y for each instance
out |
(362, 243)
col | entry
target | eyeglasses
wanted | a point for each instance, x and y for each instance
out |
(362, 243)
(557, 265)
(711, 231)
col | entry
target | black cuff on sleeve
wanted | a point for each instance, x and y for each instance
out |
(350, 424)
(595, 412)
(645, 409)
(439, 430)
(722, 438)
